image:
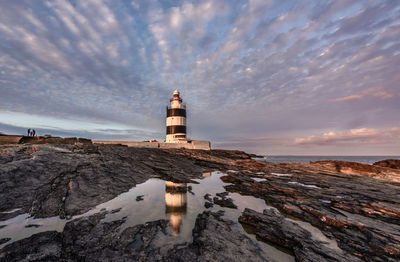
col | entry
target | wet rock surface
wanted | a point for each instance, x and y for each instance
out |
(356, 205)
(4, 240)
(352, 168)
(139, 198)
(45, 246)
(223, 201)
(273, 227)
(360, 213)
(90, 239)
(214, 240)
(66, 180)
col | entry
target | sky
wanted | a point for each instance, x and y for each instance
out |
(268, 77)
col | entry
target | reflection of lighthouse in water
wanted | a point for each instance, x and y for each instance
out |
(175, 204)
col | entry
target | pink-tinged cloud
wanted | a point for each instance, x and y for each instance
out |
(347, 98)
(374, 92)
(361, 135)
(377, 92)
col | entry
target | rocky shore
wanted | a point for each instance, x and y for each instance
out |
(318, 211)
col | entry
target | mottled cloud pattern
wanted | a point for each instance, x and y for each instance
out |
(274, 77)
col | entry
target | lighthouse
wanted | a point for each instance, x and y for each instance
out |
(176, 130)
(176, 120)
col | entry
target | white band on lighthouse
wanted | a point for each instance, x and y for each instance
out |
(176, 120)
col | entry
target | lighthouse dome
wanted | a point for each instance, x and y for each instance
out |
(176, 92)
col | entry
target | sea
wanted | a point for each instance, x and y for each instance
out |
(305, 159)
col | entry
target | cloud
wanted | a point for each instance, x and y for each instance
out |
(246, 68)
(99, 134)
(347, 98)
(361, 135)
(377, 92)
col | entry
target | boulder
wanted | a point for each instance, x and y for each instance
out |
(391, 163)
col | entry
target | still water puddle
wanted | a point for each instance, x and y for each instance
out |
(23, 226)
(281, 175)
(153, 200)
(258, 179)
(303, 185)
(11, 211)
(316, 234)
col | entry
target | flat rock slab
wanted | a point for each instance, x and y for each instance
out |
(362, 214)
(273, 227)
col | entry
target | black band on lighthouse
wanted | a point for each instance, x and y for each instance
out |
(176, 129)
(176, 112)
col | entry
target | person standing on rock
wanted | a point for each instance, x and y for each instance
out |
(29, 132)
(33, 132)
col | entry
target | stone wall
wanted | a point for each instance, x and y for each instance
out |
(194, 144)
(54, 140)
(9, 139)
(128, 143)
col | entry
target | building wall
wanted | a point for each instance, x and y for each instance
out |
(198, 144)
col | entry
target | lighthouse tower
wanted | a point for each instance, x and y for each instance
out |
(176, 120)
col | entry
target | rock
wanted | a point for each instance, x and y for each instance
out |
(222, 195)
(208, 204)
(4, 240)
(208, 197)
(115, 210)
(224, 202)
(45, 246)
(32, 225)
(88, 239)
(359, 169)
(54, 140)
(84, 141)
(214, 240)
(139, 198)
(189, 189)
(349, 209)
(354, 204)
(212, 158)
(391, 163)
(67, 180)
(273, 227)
